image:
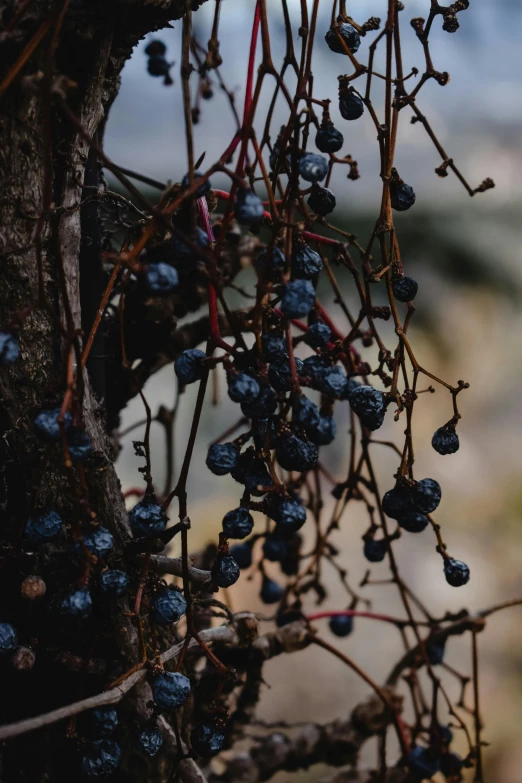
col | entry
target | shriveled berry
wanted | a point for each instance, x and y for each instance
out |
(426, 495)
(168, 606)
(183, 252)
(9, 349)
(295, 454)
(397, 502)
(46, 424)
(238, 523)
(321, 201)
(280, 375)
(306, 412)
(43, 527)
(242, 554)
(275, 548)
(274, 345)
(77, 604)
(402, 197)
(222, 458)
(413, 522)
(445, 440)
(8, 638)
(351, 106)
(423, 763)
(99, 542)
(150, 741)
(271, 591)
(313, 168)
(79, 444)
(298, 298)
(252, 472)
(103, 721)
(161, 279)
(207, 739)
(189, 366)
(456, 572)
(306, 263)
(328, 138)
(101, 758)
(405, 288)
(264, 405)
(348, 33)
(314, 366)
(332, 381)
(289, 514)
(318, 335)
(375, 549)
(242, 387)
(114, 582)
(225, 570)
(451, 765)
(323, 433)
(147, 518)
(272, 263)
(341, 625)
(249, 207)
(368, 404)
(170, 690)
(203, 189)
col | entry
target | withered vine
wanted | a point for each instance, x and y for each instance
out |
(186, 671)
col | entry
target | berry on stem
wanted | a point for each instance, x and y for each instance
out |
(306, 263)
(249, 207)
(161, 279)
(43, 527)
(238, 523)
(313, 168)
(271, 591)
(348, 33)
(9, 349)
(114, 583)
(341, 625)
(207, 739)
(170, 690)
(405, 288)
(242, 387)
(8, 638)
(318, 335)
(101, 758)
(222, 458)
(47, 426)
(456, 572)
(150, 741)
(189, 366)
(368, 404)
(445, 440)
(225, 570)
(298, 298)
(168, 606)
(328, 138)
(147, 518)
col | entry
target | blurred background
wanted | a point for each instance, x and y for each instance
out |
(465, 255)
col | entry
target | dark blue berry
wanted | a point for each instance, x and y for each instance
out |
(207, 739)
(272, 263)
(252, 472)
(289, 514)
(79, 444)
(368, 404)
(321, 201)
(351, 107)
(451, 765)
(170, 690)
(456, 572)
(375, 550)
(426, 495)
(306, 263)
(280, 375)
(332, 381)
(423, 763)
(155, 48)
(341, 625)
(397, 502)
(238, 523)
(295, 454)
(184, 252)
(314, 366)
(263, 406)
(323, 433)
(225, 570)
(101, 758)
(147, 518)
(249, 207)
(435, 652)
(8, 638)
(445, 440)
(405, 288)
(46, 424)
(43, 527)
(402, 197)
(99, 542)
(445, 734)
(313, 168)
(203, 189)
(242, 387)
(104, 721)
(349, 35)
(318, 335)
(271, 592)
(114, 583)
(158, 66)
(413, 522)
(150, 741)
(161, 278)
(306, 412)
(9, 349)
(189, 366)
(242, 554)
(328, 138)
(222, 458)
(77, 604)
(168, 606)
(298, 298)
(275, 548)
(274, 345)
